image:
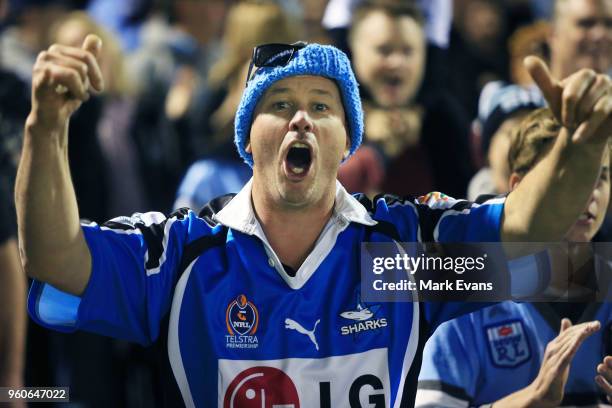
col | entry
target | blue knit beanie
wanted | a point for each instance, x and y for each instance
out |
(314, 59)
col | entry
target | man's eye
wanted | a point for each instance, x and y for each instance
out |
(587, 23)
(385, 50)
(279, 106)
(321, 107)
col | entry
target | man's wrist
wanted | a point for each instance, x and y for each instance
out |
(537, 398)
(40, 132)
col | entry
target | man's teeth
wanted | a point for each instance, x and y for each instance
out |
(297, 170)
(583, 217)
(298, 144)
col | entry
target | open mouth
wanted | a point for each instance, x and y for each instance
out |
(392, 81)
(298, 160)
(586, 217)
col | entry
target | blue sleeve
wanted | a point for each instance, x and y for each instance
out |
(465, 221)
(135, 265)
(451, 369)
(437, 217)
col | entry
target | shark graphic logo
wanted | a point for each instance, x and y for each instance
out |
(361, 313)
(291, 324)
(364, 316)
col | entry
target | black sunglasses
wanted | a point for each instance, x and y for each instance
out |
(273, 55)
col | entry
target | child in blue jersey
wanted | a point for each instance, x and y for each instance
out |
(512, 354)
(256, 298)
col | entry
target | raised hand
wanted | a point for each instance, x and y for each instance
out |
(548, 387)
(582, 102)
(604, 377)
(62, 79)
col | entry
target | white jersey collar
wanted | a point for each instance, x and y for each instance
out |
(239, 215)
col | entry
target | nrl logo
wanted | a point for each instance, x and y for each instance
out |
(241, 320)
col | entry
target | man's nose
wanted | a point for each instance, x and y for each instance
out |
(600, 31)
(301, 122)
(396, 60)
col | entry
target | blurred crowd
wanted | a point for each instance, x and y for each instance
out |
(442, 84)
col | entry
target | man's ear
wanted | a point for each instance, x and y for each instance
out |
(515, 179)
(248, 148)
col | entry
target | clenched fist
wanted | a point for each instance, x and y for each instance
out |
(62, 79)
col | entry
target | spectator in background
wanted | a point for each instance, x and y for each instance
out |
(222, 171)
(528, 40)
(477, 51)
(102, 140)
(581, 36)
(28, 33)
(502, 107)
(14, 105)
(527, 362)
(424, 134)
(170, 67)
(314, 31)
(12, 296)
(114, 123)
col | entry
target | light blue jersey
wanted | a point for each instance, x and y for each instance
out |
(240, 330)
(482, 357)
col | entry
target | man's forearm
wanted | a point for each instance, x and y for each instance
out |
(52, 245)
(553, 195)
(524, 398)
(12, 316)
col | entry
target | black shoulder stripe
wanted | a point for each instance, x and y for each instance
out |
(429, 217)
(153, 234)
(391, 199)
(199, 246)
(384, 228)
(410, 385)
(154, 237)
(365, 201)
(118, 225)
(214, 206)
(452, 390)
(180, 214)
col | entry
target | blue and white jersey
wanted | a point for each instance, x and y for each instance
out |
(486, 355)
(240, 330)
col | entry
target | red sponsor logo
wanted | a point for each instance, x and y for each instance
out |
(261, 387)
(505, 331)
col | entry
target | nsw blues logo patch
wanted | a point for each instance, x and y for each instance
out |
(508, 343)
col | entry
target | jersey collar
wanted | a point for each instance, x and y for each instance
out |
(239, 215)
